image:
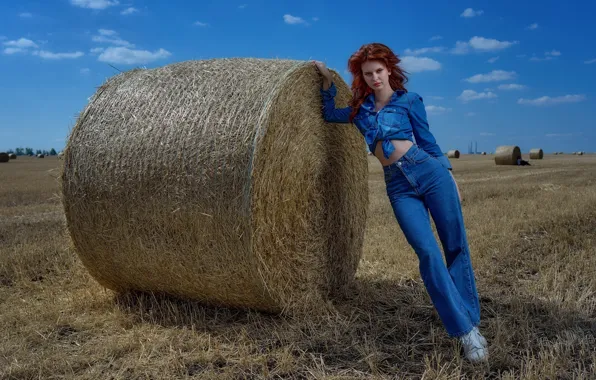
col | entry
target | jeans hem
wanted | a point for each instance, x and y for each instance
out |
(464, 332)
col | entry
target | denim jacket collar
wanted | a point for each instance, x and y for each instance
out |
(369, 102)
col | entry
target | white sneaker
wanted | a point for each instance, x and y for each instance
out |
(474, 350)
(481, 338)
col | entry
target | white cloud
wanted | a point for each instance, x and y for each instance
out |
(533, 26)
(493, 76)
(202, 24)
(434, 49)
(548, 55)
(94, 4)
(461, 47)
(436, 109)
(538, 59)
(512, 86)
(469, 12)
(12, 50)
(436, 97)
(107, 32)
(2, 38)
(242, 6)
(418, 64)
(470, 114)
(293, 20)
(481, 44)
(129, 11)
(468, 95)
(590, 61)
(84, 71)
(435, 38)
(22, 43)
(56, 56)
(493, 59)
(489, 44)
(96, 50)
(487, 134)
(123, 55)
(107, 36)
(315, 19)
(548, 101)
(25, 15)
(489, 89)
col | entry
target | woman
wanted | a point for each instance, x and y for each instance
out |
(418, 180)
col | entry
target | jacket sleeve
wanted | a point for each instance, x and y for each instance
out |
(421, 130)
(330, 113)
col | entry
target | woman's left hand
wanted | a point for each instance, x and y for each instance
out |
(457, 187)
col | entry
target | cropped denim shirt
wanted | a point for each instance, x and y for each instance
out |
(404, 116)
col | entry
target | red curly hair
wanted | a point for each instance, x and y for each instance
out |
(373, 52)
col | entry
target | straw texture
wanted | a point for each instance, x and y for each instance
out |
(536, 154)
(507, 155)
(218, 180)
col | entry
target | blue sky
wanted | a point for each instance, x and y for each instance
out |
(507, 72)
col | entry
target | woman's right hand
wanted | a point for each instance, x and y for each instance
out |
(324, 71)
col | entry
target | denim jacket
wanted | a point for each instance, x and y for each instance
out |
(403, 116)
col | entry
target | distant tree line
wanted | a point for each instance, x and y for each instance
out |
(30, 152)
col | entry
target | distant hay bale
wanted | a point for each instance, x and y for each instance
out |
(12, 156)
(556, 153)
(580, 153)
(484, 153)
(453, 153)
(4, 157)
(507, 155)
(536, 154)
(218, 180)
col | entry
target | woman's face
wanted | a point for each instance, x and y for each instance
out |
(375, 74)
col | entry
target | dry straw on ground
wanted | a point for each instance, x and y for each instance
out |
(4, 157)
(507, 155)
(218, 180)
(453, 153)
(536, 154)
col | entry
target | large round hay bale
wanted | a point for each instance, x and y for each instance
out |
(218, 180)
(453, 153)
(4, 157)
(40, 155)
(507, 155)
(536, 154)
(484, 153)
(12, 156)
(580, 153)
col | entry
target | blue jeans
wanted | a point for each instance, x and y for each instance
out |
(416, 184)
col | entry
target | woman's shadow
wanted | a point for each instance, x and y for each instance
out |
(381, 327)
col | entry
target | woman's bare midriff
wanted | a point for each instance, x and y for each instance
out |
(401, 147)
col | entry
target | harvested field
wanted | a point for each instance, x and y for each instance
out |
(532, 234)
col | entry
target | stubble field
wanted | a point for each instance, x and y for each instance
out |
(532, 234)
